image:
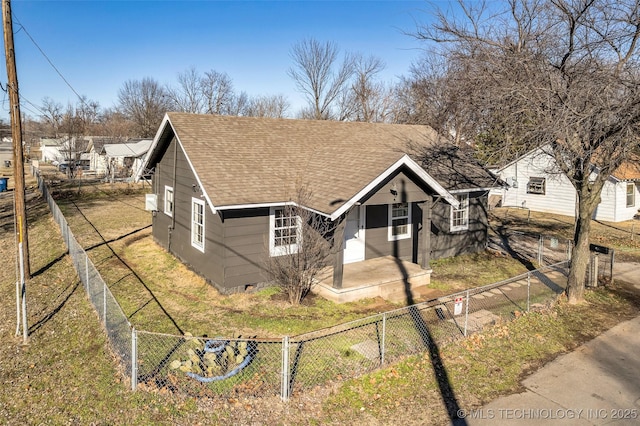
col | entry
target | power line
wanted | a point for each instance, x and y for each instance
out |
(22, 27)
(80, 98)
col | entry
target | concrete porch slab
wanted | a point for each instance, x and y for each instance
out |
(386, 277)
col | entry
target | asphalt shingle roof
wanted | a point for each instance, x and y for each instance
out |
(246, 160)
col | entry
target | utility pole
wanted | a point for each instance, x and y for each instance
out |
(18, 158)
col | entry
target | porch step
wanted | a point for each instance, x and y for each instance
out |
(381, 277)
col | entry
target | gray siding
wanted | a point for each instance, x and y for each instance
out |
(178, 241)
(443, 242)
(398, 188)
(377, 242)
(447, 244)
(246, 234)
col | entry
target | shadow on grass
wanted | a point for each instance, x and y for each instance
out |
(133, 272)
(49, 265)
(502, 233)
(42, 321)
(442, 377)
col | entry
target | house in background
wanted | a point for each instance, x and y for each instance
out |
(122, 160)
(97, 161)
(535, 182)
(221, 184)
(51, 150)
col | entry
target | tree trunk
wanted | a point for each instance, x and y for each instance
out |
(579, 254)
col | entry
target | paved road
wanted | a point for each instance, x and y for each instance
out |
(597, 384)
(6, 153)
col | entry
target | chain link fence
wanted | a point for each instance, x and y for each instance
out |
(600, 270)
(117, 326)
(535, 248)
(220, 366)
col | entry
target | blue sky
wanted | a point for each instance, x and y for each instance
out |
(98, 45)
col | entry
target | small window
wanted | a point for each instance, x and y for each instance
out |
(536, 185)
(284, 231)
(168, 200)
(631, 194)
(460, 216)
(197, 224)
(399, 221)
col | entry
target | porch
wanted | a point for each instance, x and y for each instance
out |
(382, 276)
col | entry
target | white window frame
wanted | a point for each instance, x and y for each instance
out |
(196, 242)
(463, 198)
(632, 194)
(537, 185)
(281, 250)
(168, 200)
(391, 219)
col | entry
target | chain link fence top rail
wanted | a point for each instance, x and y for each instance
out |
(203, 366)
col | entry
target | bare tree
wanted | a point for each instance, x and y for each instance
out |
(188, 96)
(275, 106)
(218, 93)
(319, 77)
(238, 104)
(52, 115)
(88, 111)
(74, 127)
(116, 126)
(370, 96)
(145, 102)
(556, 73)
(303, 241)
(428, 96)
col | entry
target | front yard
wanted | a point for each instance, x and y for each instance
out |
(160, 294)
(67, 359)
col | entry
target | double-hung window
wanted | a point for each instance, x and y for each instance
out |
(460, 215)
(284, 231)
(197, 223)
(168, 201)
(631, 194)
(399, 221)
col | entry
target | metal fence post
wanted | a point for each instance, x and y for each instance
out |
(528, 291)
(540, 250)
(86, 268)
(134, 359)
(384, 335)
(466, 315)
(612, 260)
(104, 303)
(284, 391)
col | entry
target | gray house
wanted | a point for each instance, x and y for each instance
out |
(221, 185)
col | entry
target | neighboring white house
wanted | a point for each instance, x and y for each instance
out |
(124, 159)
(535, 182)
(51, 150)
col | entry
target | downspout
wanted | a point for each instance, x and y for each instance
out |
(173, 185)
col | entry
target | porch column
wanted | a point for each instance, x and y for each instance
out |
(338, 260)
(425, 255)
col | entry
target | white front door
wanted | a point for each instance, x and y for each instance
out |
(354, 235)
